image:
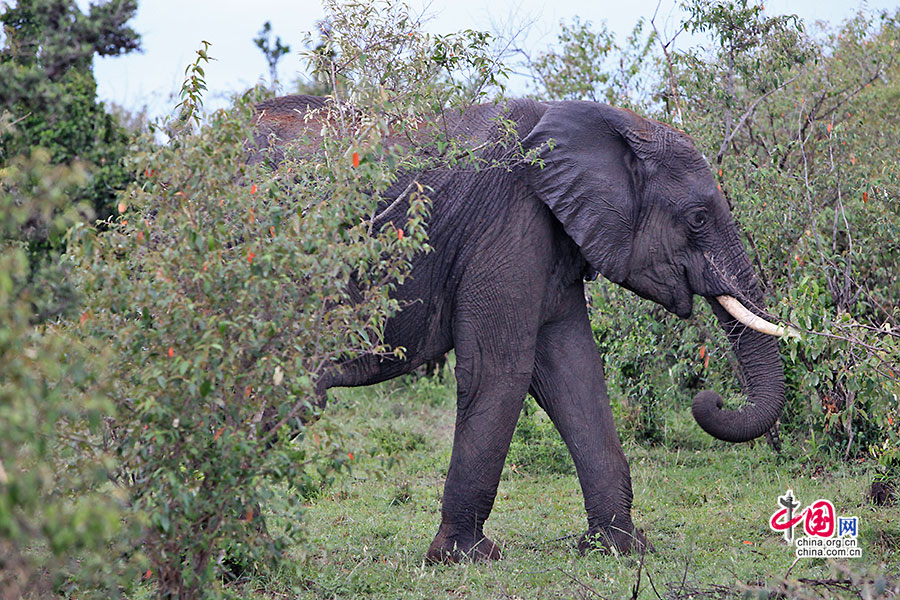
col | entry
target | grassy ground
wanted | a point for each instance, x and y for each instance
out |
(704, 506)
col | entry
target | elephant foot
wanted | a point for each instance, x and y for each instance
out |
(612, 539)
(452, 547)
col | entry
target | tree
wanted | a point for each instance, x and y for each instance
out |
(272, 53)
(590, 65)
(50, 92)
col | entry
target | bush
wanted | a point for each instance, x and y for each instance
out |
(60, 528)
(226, 288)
(221, 323)
(796, 129)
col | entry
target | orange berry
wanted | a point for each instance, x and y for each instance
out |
(399, 234)
(122, 208)
(171, 351)
(253, 189)
(355, 159)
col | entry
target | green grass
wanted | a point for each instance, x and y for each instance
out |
(704, 509)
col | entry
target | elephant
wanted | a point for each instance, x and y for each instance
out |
(606, 192)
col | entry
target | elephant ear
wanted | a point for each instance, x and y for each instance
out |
(588, 171)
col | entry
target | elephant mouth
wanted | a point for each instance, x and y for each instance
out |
(682, 303)
(727, 299)
(683, 308)
(678, 300)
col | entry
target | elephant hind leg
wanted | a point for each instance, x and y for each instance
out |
(568, 383)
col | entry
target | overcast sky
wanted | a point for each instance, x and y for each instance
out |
(172, 30)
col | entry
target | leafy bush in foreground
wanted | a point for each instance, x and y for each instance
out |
(222, 292)
(59, 514)
(224, 288)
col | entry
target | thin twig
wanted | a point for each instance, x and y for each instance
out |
(747, 114)
(393, 204)
(665, 49)
(582, 584)
(636, 588)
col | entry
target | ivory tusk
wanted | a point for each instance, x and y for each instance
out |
(755, 322)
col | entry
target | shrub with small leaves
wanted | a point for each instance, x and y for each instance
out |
(60, 528)
(233, 279)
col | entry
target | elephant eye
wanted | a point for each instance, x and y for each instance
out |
(697, 218)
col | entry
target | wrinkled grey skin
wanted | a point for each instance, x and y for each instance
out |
(618, 195)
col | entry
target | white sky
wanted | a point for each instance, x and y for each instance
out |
(172, 30)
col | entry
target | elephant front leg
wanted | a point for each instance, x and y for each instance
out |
(568, 383)
(490, 400)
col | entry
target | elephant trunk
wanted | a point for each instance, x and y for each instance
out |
(763, 377)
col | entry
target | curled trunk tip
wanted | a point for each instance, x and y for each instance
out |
(736, 426)
(763, 378)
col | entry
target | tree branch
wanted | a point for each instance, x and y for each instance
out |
(747, 114)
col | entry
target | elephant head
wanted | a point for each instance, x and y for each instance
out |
(644, 208)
